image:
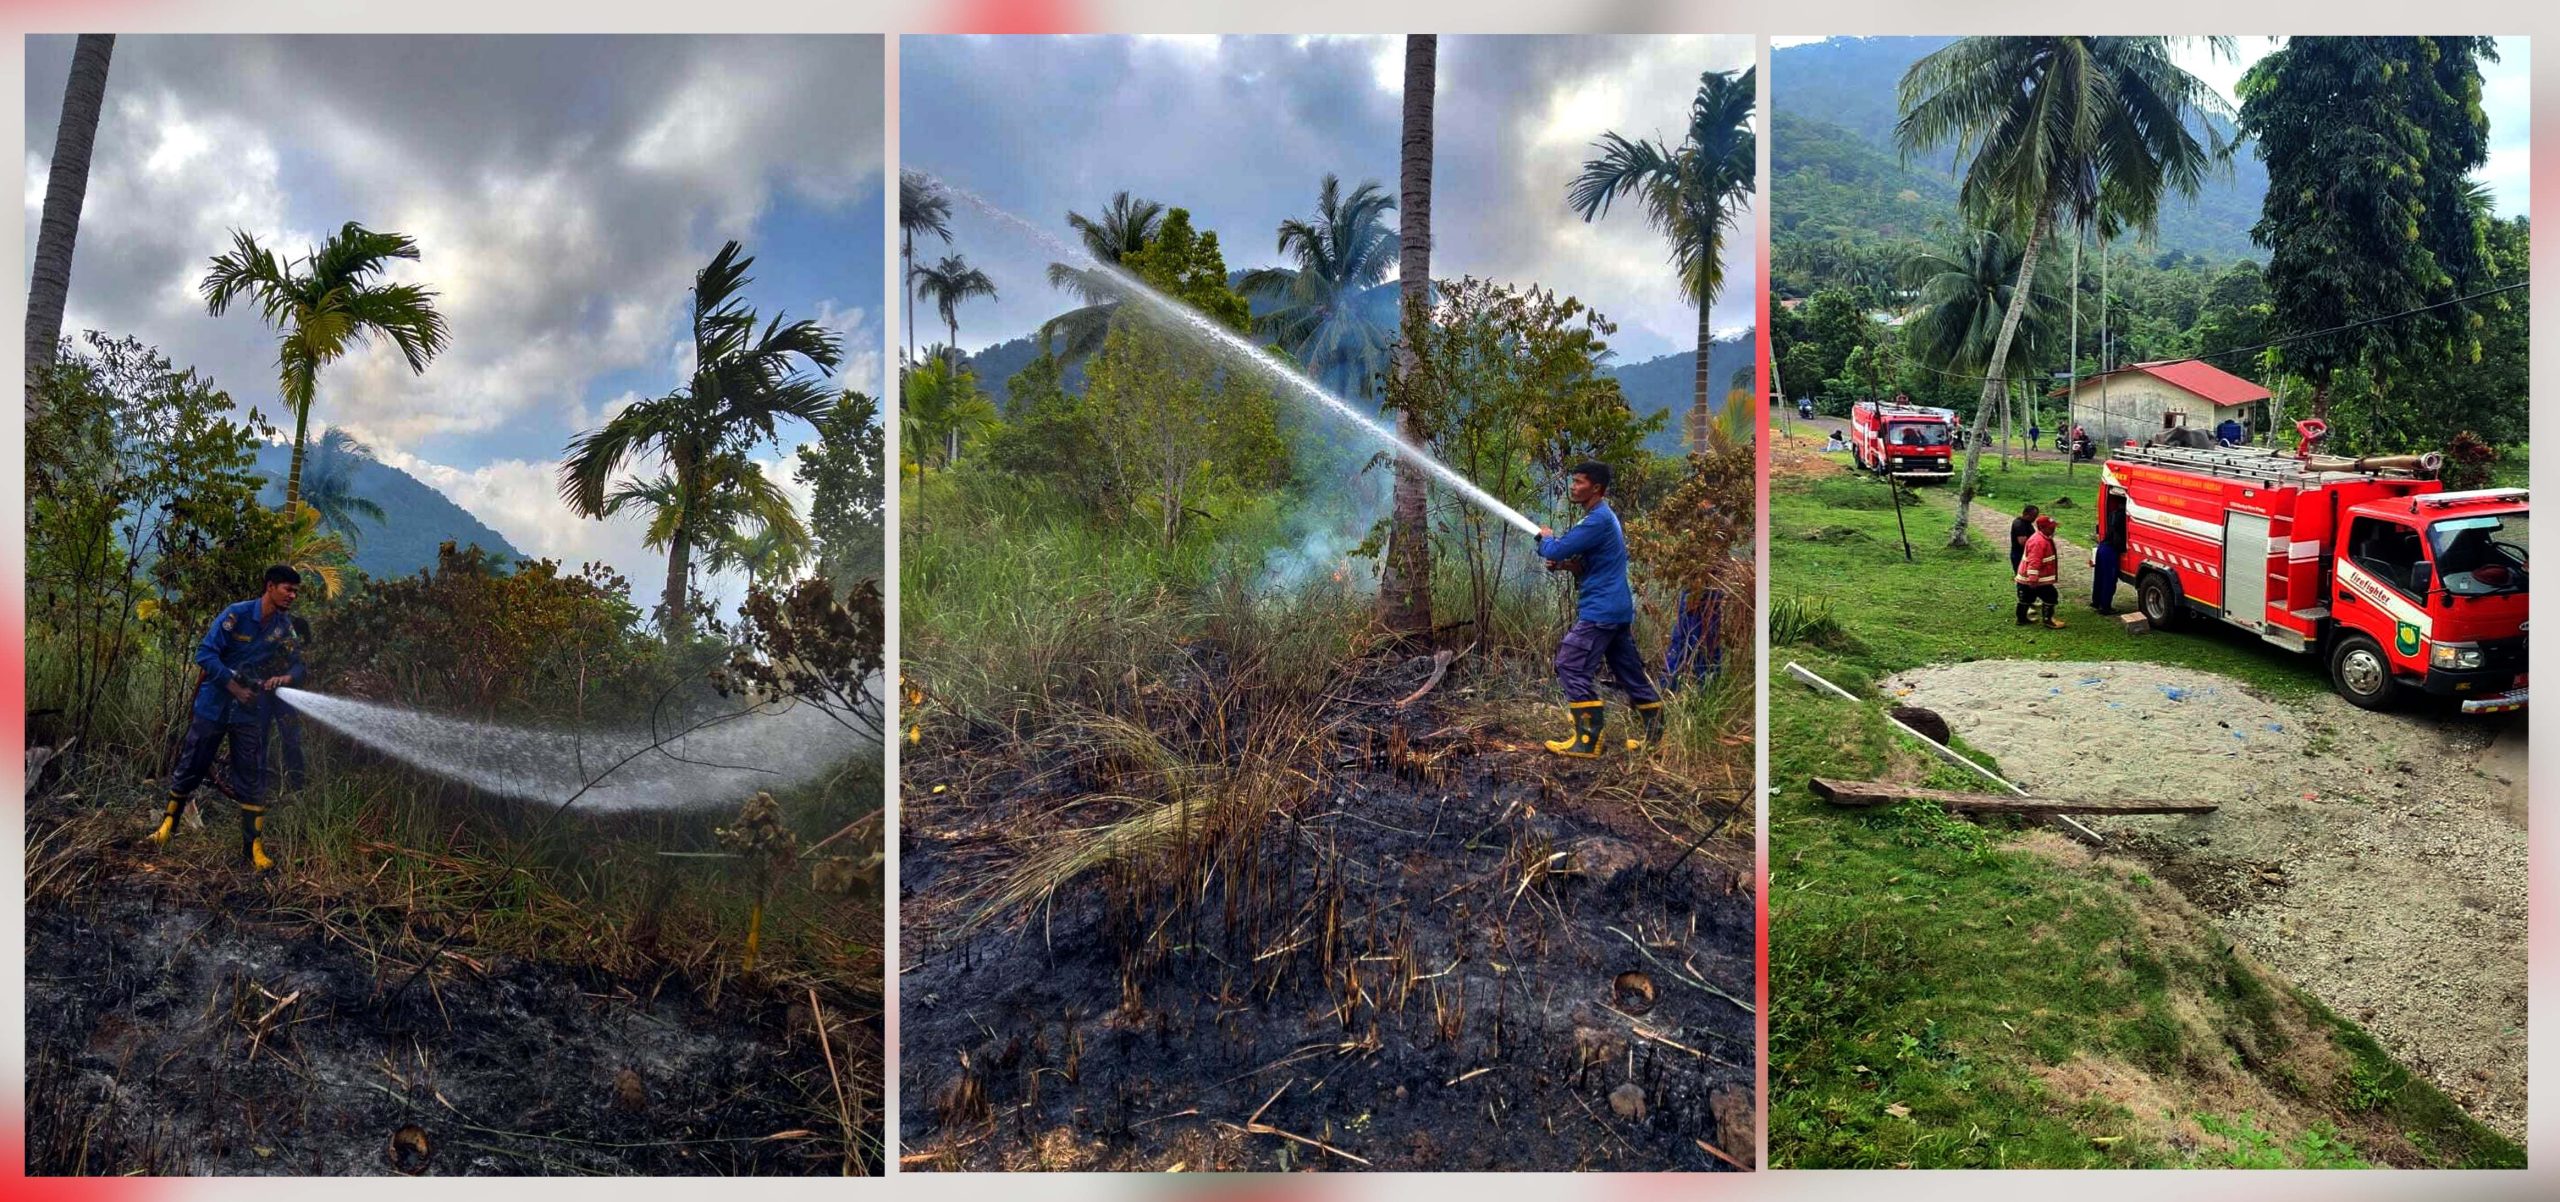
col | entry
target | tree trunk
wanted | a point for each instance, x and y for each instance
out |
(2071, 390)
(299, 391)
(1997, 381)
(66, 188)
(674, 615)
(907, 284)
(1404, 582)
(1699, 410)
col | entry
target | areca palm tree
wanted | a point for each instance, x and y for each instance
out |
(1126, 226)
(324, 305)
(1329, 317)
(2055, 128)
(1694, 193)
(314, 552)
(742, 520)
(950, 284)
(940, 405)
(923, 208)
(66, 189)
(328, 485)
(745, 381)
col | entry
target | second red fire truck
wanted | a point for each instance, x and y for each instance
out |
(1913, 442)
(2399, 585)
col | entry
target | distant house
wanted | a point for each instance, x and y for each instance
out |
(2138, 400)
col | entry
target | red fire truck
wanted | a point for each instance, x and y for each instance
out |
(1914, 442)
(2368, 563)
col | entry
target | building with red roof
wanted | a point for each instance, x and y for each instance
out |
(2139, 400)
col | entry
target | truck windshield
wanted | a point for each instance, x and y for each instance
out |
(2480, 556)
(1917, 434)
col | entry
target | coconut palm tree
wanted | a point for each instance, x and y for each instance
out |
(2056, 128)
(1127, 224)
(745, 381)
(1404, 579)
(950, 284)
(1330, 316)
(1963, 296)
(66, 188)
(923, 208)
(940, 405)
(328, 485)
(1693, 193)
(324, 305)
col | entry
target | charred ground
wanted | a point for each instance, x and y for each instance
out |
(378, 1008)
(1204, 923)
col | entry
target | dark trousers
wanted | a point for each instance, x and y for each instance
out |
(288, 740)
(205, 736)
(2104, 595)
(1590, 644)
(2031, 595)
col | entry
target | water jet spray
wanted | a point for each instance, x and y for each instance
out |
(1234, 347)
(716, 762)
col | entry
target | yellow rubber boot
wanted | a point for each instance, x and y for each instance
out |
(253, 826)
(1649, 714)
(1584, 743)
(169, 822)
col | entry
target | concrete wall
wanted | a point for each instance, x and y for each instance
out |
(2131, 405)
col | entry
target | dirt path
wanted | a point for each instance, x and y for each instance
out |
(2378, 860)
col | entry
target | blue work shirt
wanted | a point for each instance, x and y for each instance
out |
(241, 645)
(1602, 594)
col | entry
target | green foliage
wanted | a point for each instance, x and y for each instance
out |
(1170, 422)
(1506, 389)
(2367, 142)
(1050, 435)
(466, 638)
(143, 521)
(841, 468)
(941, 411)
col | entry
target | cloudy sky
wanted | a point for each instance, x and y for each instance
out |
(1242, 130)
(2505, 94)
(563, 192)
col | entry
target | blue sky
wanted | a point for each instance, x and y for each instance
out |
(2505, 94)
(1242, 130)
(563, 191)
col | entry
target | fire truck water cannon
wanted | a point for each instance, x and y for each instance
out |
(2400, 586)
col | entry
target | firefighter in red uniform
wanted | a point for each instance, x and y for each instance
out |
(2039, 571)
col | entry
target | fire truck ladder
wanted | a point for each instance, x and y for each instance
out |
(2272, 468)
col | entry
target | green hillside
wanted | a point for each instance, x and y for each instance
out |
(1836, 173)
(416, 517)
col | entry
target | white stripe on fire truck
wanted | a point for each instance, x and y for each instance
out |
(2365, 586)
(2174, 521)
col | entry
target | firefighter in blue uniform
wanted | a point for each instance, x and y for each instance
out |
(246, 655)
(1604, 619)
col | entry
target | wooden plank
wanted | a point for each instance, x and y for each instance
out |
(2076, 829)
(1876, 793)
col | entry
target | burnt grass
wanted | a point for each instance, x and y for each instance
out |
(1413, 945)
(186, 1027)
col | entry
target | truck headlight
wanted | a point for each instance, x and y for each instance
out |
(2454, 655)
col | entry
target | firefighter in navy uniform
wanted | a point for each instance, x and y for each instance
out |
(1604, 620)
(246, 655)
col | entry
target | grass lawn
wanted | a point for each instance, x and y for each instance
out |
(1948, 994)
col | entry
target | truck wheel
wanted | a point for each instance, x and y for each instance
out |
(2362, 673)
(2163, 602)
